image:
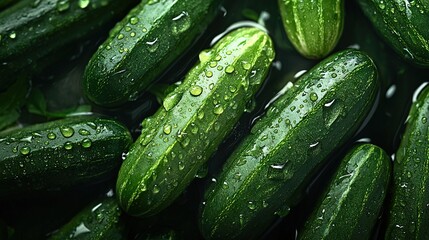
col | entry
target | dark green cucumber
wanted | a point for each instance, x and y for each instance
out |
(59, 154)
(99, 220)
(351, 205)
(313, 27)
(142, 46)
(264, 176)
(402, 24)
(32, 31)
(408, 215)
(194, 120)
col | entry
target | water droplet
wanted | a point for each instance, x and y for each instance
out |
(155, 189)
(246, 65)
(279, 172)
(124, 155)
(218, 109)
(228, 52)
(313, 97)
(194, 128)
(332, 111)
(229, 69)
(200, 115)
(204, 56)
(209, 74)
(264, 204)
(92, 125)
(424, 120)
(132, 34)
(134, 20)
(167, 129)
(52, 136)
(63, 5)
(251, 205)
(232, 89)
(12, 35)
(84, 132)
(83, 3)
(67, 131)
(68, 145)
(333, 75)
(86, 143)
(181, 23)
(171, 100)
(120, 36)
(213, 64)
(181, 166)
(153, 45)
(25, 150)
(196, 90)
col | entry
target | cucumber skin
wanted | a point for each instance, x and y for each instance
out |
(405, 29)
(313, 27)
(160, 166)
(101, 218)
(250, 191)
(123, 68)
(351, 205)
(42, 31)
(49, 166)
(408, 217)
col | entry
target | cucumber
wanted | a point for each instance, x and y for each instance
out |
(403, 25)
(408, 216)
(313, 27)
(31, 31)
(351, 205)
(58, 154)
(265, 174)
(99, 220)
(142, 46)
(193, 121)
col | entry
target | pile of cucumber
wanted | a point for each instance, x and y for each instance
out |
(211, 119)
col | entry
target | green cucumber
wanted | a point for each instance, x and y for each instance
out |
(351, 205)
(408, 215)
(59, 154)
(265, 174)
(403, 25)
(142, 46)
(194, 120)
(99, 220)
(31, 31)
(313, 27)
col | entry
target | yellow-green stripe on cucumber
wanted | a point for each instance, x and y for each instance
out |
(408, 216)
(60, 154)
(193, 121)
(142, 46)
(264, 176)
(351, 205)
(313, 27)
(34, 33)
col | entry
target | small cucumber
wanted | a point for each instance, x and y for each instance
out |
(264, 176)
(351, 205)
(142, 46)
(32, 31)
(194, 120)
(62, 153)
(99, 220)
(408, 215)
(313, 27)
(403, 25)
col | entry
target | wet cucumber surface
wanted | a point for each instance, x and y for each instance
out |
(35, 218)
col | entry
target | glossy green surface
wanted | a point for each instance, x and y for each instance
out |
(99, 220)
(32, 32)
(351, 205)
(194, 119)
(408, 216)
(402, 24)
(59, 154)
(313, 27)
(264, 175)
(142, 46)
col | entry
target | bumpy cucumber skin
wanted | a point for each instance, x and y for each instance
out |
(408, 214)
(264, 176)
(32, 159)
(193, 121)
(313, 27)
(403, 25)
(142, 46)
(351, 205)
(99, 220)
(31, 33)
